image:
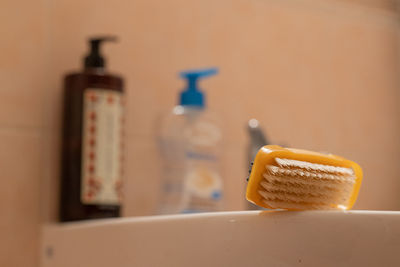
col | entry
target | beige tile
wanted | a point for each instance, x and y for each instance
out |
(235, 171)
(142, 176)
(21, 170)
(317, 74)
(50, 180)
(22, 63)
(387, 5)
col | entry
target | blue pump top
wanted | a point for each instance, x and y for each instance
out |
(192, 96)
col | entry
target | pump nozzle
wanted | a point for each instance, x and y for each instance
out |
(192, 96)
(94, 59)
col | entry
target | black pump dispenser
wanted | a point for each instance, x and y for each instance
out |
(94, 59)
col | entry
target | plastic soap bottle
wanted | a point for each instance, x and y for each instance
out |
(190, 148)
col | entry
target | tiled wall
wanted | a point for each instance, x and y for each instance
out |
(318, 74)
(22, 56)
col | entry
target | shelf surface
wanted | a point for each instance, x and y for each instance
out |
(244, 238)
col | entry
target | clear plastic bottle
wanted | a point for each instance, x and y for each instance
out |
(190, 143)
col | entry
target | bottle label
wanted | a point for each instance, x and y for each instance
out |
(202, 182)
(102, 147)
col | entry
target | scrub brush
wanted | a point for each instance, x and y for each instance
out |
(294, 179)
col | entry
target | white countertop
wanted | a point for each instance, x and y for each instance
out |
(243, 238)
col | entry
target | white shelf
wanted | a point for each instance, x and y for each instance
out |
(248, 238)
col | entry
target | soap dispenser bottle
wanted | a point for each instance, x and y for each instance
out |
(190, 148)
(257, 139)
(91, 166)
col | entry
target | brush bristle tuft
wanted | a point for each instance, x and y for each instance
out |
(294, 184)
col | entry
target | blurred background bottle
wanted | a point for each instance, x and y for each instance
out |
(257, 139)
(190, 143)
(92, 136)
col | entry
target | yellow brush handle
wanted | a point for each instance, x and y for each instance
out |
(267, 154)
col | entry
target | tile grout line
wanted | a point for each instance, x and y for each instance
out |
(27, 130)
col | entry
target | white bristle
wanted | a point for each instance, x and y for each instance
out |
(309, 174)
(291, 163)
(295, 184)
(301, 190)
(293, 198)
(301, 182)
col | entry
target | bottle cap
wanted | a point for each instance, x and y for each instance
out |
(191, 95)
(94, 59)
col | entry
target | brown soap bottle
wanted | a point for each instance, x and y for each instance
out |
(91, 166)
